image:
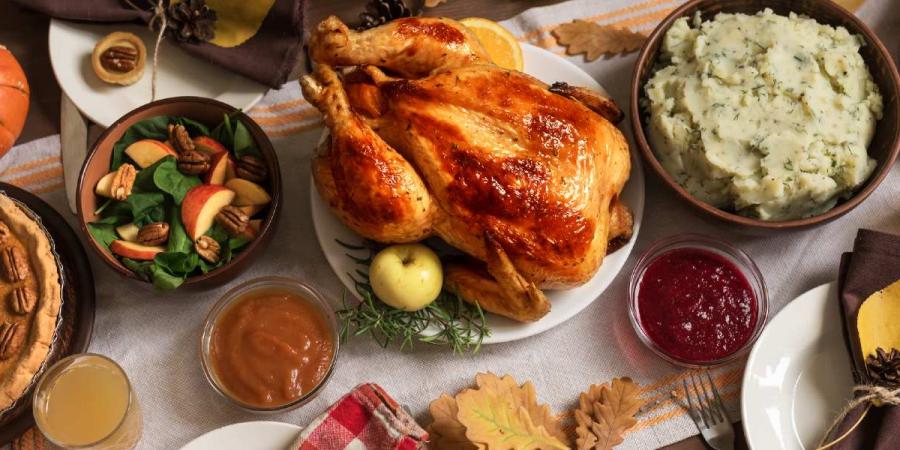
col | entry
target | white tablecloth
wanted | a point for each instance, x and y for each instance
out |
(155, 336)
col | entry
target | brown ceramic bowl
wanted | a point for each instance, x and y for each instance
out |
(210, 113)
(884, 147)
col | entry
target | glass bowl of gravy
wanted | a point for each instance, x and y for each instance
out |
(269, 344)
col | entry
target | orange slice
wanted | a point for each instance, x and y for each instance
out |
(499, 43)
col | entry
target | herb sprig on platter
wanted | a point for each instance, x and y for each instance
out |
(449, 320)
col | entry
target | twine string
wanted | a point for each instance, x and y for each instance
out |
(871, 395)
(159, 16)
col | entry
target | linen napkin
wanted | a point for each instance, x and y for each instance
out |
(873, 265)
(268, 56)
(365, 419)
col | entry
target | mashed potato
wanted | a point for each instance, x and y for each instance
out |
(766, 115)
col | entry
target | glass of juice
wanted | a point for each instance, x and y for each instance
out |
(85, 401)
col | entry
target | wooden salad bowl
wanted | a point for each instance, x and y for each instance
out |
(208, 112)
(885, 145)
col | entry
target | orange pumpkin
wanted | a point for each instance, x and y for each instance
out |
(14, 96)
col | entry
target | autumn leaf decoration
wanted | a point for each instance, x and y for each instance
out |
(580, 36)
(500, 414)
(605, 413)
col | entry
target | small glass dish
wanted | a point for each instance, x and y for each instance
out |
(240, 292)
(732, 254)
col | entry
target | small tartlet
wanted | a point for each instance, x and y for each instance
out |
(119, 58)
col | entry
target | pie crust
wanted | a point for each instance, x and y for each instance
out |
(38, 326)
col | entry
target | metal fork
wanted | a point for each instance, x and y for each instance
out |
(708, 412)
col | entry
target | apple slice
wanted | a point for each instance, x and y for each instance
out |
(104, 186)
(252, 231)
(200, 206)
(129, 232)
(134, 250)
(209, 146)
(251, 210)
(218, 168)
(147, 152)
(230, 172)
(248, 193)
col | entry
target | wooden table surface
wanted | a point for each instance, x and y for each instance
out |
(25, 34)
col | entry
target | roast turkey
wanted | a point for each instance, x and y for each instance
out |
(429, 138)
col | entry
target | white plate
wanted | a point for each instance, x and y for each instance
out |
(178, 74)
(798, 376)
(247, 435)
(566, 303)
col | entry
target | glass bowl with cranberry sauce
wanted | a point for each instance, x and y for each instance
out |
(696, 301)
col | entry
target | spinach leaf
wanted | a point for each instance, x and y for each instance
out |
(178, 238)
(141, 268)
(224, 133)
(104, 233)
(152, 128)
(193, 127)
(243, 141)
(164, 280)
(218, 233)
(147, 207)
(179, 264)
(168, 179)
(143, 182)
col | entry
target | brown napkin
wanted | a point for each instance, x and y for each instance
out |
(873, 265)
(267, 57)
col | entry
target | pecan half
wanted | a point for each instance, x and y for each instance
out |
(119, 59)
(251, 168)
(233, 220)
(180, 138)
(193, 162)
(155, 233)
(5, 234)
(22, 299)
(123, 182)
(208, 249)
(11, 338)
(15, 265)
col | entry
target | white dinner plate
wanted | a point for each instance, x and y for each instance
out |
(178, 73)
(547, 67)
(247, 435)
(798, 376)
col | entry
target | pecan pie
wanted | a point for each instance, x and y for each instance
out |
(31, 294)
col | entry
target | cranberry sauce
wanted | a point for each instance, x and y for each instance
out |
(696, 305)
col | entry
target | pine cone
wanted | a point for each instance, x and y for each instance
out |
(191, 21)
(884, 368)
(380, 12)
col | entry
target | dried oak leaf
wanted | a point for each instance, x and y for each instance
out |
(593, 40)
(505, 416)
(605, 413)
(445, 431)
(433, 3)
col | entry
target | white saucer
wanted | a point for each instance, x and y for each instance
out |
(247, 435)
(798, 375)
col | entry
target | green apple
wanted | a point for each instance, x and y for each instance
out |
(407, 277)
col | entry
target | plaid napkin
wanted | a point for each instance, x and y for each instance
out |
(365, 419)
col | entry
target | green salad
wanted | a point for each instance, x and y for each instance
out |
(181, 198)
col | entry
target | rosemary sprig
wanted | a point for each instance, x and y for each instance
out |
(449, 320)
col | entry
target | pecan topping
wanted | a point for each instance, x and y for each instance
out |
(251, 168)
(5, 234)
(180, 138)
(119, 58)
(22, 299)
(15, 265)
(193, 162)
(156, 233)
(208, 249)
(233, 220)
(11, 338)
(123, 181)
